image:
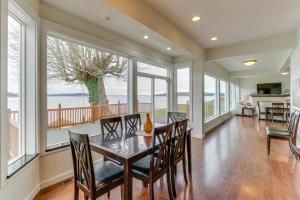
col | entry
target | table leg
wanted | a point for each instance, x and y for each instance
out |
(243, 112)
(189, 152)
(127, 181)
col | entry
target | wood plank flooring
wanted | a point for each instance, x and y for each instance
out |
(230, 163)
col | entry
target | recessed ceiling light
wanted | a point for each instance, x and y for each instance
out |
(214, 38)
(250, 62)
(168, 48)
(196, 18)
(284, 73)
(146, 36)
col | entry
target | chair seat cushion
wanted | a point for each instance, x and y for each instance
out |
(277, 133)
(142, 166)
(276, 129)
(106, 172)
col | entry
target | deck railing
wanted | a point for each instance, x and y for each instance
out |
(61, 117)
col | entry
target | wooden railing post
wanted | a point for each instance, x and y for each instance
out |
(93, 112)
(119, 109)
(59, 116)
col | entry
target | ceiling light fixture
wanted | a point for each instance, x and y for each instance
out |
(249, 62)
(168, 48)
(284, 73)
(146, 36)
(214, 38)
(196, 18)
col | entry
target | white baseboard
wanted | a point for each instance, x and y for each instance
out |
(33, 193)
(61, 177)
(51, 181)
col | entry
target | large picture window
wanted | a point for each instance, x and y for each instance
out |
(223, 97)
(84, 84)
(210, 100)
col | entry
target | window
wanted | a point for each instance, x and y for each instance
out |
(183, 90)
(19, 107)
(16, 140)
(153, 91)
(232, 96)
(223, 97)
(82, 88)
(210, 100)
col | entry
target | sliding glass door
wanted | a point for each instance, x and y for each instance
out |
(153, 91)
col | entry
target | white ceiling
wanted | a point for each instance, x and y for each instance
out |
(232, 21)
(96, 11)
(272, 61)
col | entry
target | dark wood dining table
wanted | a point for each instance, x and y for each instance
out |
(130, 148)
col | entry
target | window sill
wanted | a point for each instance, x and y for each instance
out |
(17, 165)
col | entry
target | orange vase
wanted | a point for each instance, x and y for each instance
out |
(148, 124)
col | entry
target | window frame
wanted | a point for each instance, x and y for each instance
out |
(82, 42)
(184, 65)
(28, 90)
(153, 77)
(225, 97)
(216, 102)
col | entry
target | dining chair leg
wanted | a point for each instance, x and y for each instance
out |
(122, 192)
(173, 180)
(86, 197)
(76, 193)
(268, 144)
(151, 191)
(145, 184)
(108, 194)
(169, 185)
(184, 170)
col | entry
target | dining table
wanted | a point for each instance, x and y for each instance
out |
(129, 148)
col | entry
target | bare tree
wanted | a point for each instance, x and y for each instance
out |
(73, 62)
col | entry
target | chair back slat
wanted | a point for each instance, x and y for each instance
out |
(160, 160)
(132, 123)
(179, 139)
(176, 116)
(82, 161)
(294, 127)
(111, 128)
(277, 108)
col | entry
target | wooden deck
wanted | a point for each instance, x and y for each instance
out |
(231, 163)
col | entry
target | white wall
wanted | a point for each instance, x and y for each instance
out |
(213, 69)
(248, 85)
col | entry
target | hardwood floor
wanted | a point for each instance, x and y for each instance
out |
(230, 163)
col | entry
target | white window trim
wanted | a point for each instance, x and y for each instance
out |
(23, 11)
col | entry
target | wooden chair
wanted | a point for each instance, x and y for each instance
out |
(260, 112)
(178, 151)
(96, 180)
(175, 116)
(112, 128)
(155, 166)
(283, 135)
(132, 123)
(277, 110)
